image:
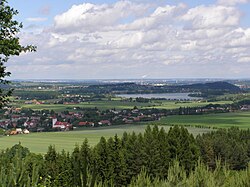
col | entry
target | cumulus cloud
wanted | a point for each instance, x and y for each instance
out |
(89, 17)
(131, 39)
(232, 2)
(161, 16)
(202, 17)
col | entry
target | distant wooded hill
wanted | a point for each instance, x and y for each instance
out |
(213, 86)
(204, 89)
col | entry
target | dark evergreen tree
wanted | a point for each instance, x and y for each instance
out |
(134, 156)
(152, 151)
(164, 154)
(51, 164)
(17, 149)
(206, 150)
(182, 146)
(101, 154)
(65, 175)
(84, 162)
(119, 163)
(76, 166)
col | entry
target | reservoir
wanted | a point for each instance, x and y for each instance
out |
(168, 96)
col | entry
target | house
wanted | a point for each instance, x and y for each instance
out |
(61, 125)
(25, 131)
(30, 124)
(19, 131)
(136, 119)
(91, 124)
(86, 123)
(104, 122)
(245, 107)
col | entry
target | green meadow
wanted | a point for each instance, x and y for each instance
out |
(221, 120)
(102, 105)
(118, 104)
(39, 142)
(178, 104)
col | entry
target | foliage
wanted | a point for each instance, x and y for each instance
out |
(2, 131)
(41, 95)
(230, 146)
(154, 158)
(9, 45)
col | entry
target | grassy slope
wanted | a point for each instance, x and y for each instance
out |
(223, 120)
(39, 142)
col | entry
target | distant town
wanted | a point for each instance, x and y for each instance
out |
(40, 107)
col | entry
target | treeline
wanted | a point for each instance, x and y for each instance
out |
(232, 146)
(206, 89)
(154, 158)
(41, 95)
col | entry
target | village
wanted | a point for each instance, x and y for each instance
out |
(24, 120)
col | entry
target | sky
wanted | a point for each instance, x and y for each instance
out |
(84, 39)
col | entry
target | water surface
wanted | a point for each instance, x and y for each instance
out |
(170, 96)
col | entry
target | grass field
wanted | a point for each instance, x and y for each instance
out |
(222, 120)
(174, 104)
(103, 105)
(39, 142)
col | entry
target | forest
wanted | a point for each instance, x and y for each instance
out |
(154, 158)
(202, 89)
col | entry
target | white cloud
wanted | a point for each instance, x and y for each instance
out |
(162, 16)
(207, 17)
(245, 59)
(37, 19)
(128, 40)
(240, 38)
(232, 2)
(89, 17)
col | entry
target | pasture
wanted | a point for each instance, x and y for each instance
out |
(221, 120)
(39, 142)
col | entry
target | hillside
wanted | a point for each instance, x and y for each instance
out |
(225, 86)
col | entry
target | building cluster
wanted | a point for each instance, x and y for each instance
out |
(37, 121)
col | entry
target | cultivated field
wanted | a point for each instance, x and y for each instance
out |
(222, 120)
(102, 105)
(39, 142)
(118, 104)
(178, 104)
